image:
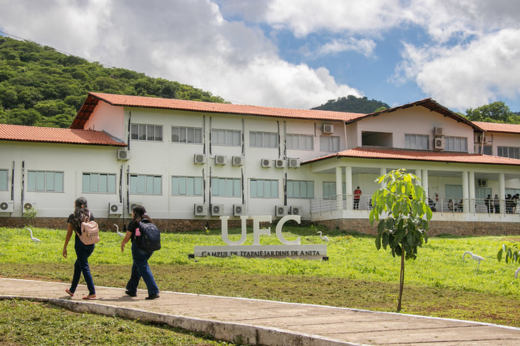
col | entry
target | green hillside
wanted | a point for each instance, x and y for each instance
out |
(42, 87)
(353, 104)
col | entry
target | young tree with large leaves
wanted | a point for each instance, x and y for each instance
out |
(402, 213)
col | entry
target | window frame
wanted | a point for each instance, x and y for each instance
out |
(330, 143)
(47, 185)
(146, 181)
(226, 187)
(309, 186)
(516, 150)
(272, 139)
(424, 139)
(109, 178)
(299, 138)
(274, 186)
(186, 130)
(192, 186)
(450, 139)
(6, 180)
(143, 130)
(226, 137)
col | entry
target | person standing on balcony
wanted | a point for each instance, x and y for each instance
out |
(488, 202)
(496, 203)
(357, 196)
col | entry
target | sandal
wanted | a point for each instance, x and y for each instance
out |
(90, 297)
(69, 292)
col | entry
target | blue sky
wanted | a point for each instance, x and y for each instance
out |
(295, 53)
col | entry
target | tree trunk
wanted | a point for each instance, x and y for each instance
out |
(401, 283)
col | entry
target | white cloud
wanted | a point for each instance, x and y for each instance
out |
(364, 46)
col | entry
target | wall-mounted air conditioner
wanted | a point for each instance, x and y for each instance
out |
(294, 163)
(6, 207)
(280, 210)
(217, 209)
(438, 143)
(200, 210)
(123, 154)
(327, 128)
(239, 209)
(438, 131)
(133, 205)
(237, 160)
(220, 160)
(115, 208)
(28, 206)
(199, 159)
(279, 163)
(482, 183)
(296, 210)
(265, 163)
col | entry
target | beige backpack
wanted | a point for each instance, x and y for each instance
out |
(89, 232)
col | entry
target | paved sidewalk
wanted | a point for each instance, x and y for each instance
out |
(261, 322)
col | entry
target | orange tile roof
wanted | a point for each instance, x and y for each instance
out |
(197, 106)
(495, 127)
(415, 155)
(56, 135)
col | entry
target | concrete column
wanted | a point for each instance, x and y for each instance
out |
(382, 171)
(425, 182)
(502, 192)
(349, 188)
(471, 192)
(465, 191)
(339, 190)
(418, 174)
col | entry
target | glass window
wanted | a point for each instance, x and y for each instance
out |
(456, 144)
(143, 132)
(186, 134)
(45, 181)
(226, 137)
(329, 189)
(329, 143)
(488, 149)
(99, 183)
(226, 187)
(300, 142)
(263, 188)
(3, 179)
(145, 184)
(511, 152)
(263, 139)
(300, 189)
(417, 141)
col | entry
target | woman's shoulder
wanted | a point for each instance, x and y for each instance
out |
(71, 218)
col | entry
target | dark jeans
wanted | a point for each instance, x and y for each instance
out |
(140, 268)
(83, 252)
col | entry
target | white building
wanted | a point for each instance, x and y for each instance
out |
(187, 160)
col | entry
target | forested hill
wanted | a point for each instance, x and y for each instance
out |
(353, 104)
(42, 87)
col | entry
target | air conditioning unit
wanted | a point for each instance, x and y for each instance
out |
(29, 205)
(279, 163)
(199, 159)
(237, 160)
(265, 163)
(438, 143)
(482, 183)
(294, 163)
(327, 128)
(6, 207)
(482, 139)
(133, 205)
(115, 208)
(280, 210)
(239, 209)
(123, 154)
(438, 131)
(217, 209)
(220, 160)
(296, 210)
(201, 210)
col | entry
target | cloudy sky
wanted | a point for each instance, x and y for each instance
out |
(294, 53)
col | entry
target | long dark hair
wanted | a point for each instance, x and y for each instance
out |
(81, 211)
(140, 214)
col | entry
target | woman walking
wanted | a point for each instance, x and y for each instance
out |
(140, 267)
(83, 252)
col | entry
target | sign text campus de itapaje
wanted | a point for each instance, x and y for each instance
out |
(290, 248)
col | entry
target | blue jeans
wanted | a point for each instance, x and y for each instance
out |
(83, 252)
(140, 268)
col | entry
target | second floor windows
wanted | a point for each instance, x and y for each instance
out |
(300, 142)
(263, 188)
(226, 137)
(226, 187)
(142, 132)
(186, 186)
(416, 141)
(300, 189)
(263, 139)
(3, 179)
(512, 152)
(456, 144)
(141, 184)
(99, 183)
(186, 134)
(45, 181)
(329, 143)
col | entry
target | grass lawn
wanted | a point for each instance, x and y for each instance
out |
(439, 283)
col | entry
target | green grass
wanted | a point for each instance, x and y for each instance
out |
(439, 283)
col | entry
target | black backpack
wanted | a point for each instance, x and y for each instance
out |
(150, 236)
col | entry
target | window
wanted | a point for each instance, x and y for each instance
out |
(99, 183)
(186, 134)
(300, 189)
(145, 184)
(329, 190)
(226, 187)
(488, 149)
(512, 152)
(300, 142)
(45, 181)
(329, 143)
(263, 139)
(3, 179)
(186, 186)
(226, 137)
(264, 188)
(456, 144)
(143, 132)
(417, 141)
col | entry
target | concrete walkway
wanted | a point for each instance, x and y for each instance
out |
(260, 322)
